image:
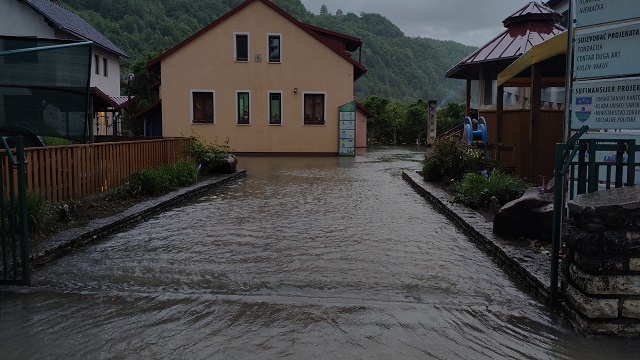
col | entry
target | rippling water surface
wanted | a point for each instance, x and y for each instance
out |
(323, 258)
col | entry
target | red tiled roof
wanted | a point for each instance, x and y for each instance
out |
(317, 33)
(531, 25)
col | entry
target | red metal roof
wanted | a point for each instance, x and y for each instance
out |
(322, 36)
(532, 24)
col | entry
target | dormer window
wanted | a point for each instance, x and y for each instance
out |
(242, 47)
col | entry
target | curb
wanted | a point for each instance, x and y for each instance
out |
(76, 238)
(531, 267)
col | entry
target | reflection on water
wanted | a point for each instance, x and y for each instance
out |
(305, 258)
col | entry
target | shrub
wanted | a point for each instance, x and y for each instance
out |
(148, 182)
(449, 159)
(478, 191)
(183, 173)
(157, 181)
(207, 156)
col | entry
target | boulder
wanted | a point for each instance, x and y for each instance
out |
(530, 216)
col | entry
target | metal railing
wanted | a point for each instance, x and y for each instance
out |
(13, 215)
(587, 174)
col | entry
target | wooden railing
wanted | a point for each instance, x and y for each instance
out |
(60, 173)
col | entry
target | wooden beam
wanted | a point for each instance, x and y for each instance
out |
(499, 112)
(545, 82)
(536, 104)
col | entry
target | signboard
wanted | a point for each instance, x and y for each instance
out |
(593, 12)
(607, 51)
(607, 104)
(347, 129)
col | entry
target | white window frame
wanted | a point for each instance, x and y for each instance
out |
(237, 114)
(324, 110)
(235, 47)
(269, 50)
(213, 93)
(280, 92)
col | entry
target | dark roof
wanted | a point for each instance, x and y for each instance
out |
(532, 24)
(68, 21)
(322, 36)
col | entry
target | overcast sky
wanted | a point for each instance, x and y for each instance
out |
(470, 22)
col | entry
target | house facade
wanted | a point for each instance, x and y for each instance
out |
(260, 79)
(45, 19)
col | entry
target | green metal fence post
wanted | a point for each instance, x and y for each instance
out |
(22, 206)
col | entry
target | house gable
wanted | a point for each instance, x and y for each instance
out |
(337, 42)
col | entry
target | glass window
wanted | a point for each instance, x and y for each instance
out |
(314, 109)
(275, 108)
(104, 67)
(275, 49)
(202, 108)
(243, 112)
(242, 47)
(97, 62)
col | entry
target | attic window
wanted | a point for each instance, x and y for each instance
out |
(242, 47)
(275, 48)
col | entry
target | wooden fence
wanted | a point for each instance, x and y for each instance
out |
(60, 173)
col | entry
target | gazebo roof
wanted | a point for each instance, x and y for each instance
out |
(530, 25)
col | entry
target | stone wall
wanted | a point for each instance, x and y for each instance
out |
(602, 266)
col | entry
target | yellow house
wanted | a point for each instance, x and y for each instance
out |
(261, 79)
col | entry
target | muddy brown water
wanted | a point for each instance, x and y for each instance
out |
(306, 258)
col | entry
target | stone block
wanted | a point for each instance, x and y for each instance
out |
(591, 265)
(634, 264)
(593, 308)
(631, 309)
(605, 284)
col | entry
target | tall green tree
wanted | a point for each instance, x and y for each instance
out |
(324, 10)
(449, 116)
(416, 120)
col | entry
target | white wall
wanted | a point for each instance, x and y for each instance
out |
(109, 84)
(19, 19)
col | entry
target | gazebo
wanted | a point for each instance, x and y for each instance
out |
(524, 113)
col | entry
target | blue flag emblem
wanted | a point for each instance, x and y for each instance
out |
(583, 108)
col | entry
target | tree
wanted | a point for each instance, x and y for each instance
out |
(339, 12)
(396, 113)
(416, 121)
(323, 10)
(449, 117)
(376, 105)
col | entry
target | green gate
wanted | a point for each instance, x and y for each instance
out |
(13, 214)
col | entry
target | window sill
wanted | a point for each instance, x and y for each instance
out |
(275, 62)
(242, 61)
(202, 123)
(243, 124)
(274, 124)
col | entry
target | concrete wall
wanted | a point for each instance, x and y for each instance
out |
(602, 267)
(109, 84)
(208, 62)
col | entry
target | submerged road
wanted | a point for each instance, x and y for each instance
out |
(306, 258)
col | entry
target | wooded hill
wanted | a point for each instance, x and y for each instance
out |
(399, 67)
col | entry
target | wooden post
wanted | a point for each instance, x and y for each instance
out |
(534, 134)
(499, 111)
(467, 110)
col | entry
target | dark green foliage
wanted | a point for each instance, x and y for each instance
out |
(208, 156)
(55, 141)
(399, 67)
(449, 159)
(450, 116)
(151, 182)
(478, 191)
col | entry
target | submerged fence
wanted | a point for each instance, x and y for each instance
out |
(60, 173)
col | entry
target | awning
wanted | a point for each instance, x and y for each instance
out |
(556, 45)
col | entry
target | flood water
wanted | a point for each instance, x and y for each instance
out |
(306, 258)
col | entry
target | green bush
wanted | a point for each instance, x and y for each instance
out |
(449, 159)
(157, 181)
(209, 157)
(183, 173)
(478, 191)
(55, 141)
